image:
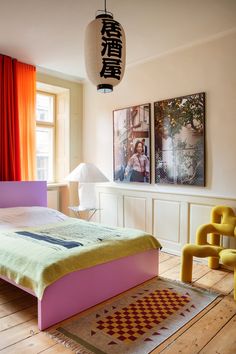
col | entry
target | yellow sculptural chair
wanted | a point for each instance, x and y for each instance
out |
(223, 222)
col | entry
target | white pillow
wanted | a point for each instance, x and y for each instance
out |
(19, 217)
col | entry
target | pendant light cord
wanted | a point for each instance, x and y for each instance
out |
(103, 11)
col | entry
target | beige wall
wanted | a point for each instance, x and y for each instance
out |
(206, 67)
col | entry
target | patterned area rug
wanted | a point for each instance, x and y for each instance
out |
(137, 322)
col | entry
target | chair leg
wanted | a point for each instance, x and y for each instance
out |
(186, 265)
(213, 262)
(235, 283)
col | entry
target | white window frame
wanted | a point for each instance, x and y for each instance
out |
(51, 125)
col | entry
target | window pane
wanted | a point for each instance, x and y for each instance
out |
(44, 153)
(44, 108)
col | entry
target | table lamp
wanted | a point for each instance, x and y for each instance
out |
(87, 174)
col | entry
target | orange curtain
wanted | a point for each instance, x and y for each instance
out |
(26, 88)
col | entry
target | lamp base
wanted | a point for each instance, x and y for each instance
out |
(87, 196)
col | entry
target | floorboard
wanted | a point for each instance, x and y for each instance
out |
(211, 331)
(205, 329)
(224, 341)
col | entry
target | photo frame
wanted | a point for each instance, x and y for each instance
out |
(131, 144)
(179, 125)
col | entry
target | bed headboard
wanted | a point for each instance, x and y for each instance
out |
(15, 194)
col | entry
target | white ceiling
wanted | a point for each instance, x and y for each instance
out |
(50, 33)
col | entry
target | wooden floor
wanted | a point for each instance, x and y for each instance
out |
(212, 331)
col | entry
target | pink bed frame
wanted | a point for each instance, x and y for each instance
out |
(85, 288)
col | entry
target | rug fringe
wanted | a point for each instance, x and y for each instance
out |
(76, 338)
(190, 286)
(68, 342)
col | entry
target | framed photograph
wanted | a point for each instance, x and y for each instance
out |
(131, 144)
(179, 125)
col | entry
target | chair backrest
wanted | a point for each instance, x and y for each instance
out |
(226, 218)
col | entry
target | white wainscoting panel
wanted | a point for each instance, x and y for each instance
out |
(166, 222)
(172, 218)
(135, 212)
(108, 203)
(198, 215)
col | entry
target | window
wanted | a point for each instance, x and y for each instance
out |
(45, 136)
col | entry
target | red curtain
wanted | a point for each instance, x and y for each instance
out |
(9, 121)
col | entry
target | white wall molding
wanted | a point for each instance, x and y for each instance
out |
(172, 218)
(168, 190)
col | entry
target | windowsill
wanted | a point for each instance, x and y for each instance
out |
(57, 184)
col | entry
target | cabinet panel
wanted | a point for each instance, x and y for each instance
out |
(172, 218)
(135, 212)
(108, 203)
(199, 214)
(166, 222)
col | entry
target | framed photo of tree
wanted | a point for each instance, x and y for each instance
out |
(179, 125)
(131, 144)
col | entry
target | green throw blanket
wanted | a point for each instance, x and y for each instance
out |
(37, 257)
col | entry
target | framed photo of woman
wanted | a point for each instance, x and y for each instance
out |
(131, 144)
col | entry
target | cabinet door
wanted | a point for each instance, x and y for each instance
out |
(135, 212)
(166, 223)
(108, 204)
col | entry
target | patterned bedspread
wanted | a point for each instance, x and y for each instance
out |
(37, 257)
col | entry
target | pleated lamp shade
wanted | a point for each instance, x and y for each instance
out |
(87, 174)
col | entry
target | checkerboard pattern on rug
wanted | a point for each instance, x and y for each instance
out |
(137, 322)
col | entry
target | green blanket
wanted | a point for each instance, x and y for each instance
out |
(37, 257)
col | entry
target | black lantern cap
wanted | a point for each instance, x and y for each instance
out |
(105, 88)
(105, 15)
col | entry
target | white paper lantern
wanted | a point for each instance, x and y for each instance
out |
(105, 52)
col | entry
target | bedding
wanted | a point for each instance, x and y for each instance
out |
(11, 218)
(35, 257)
